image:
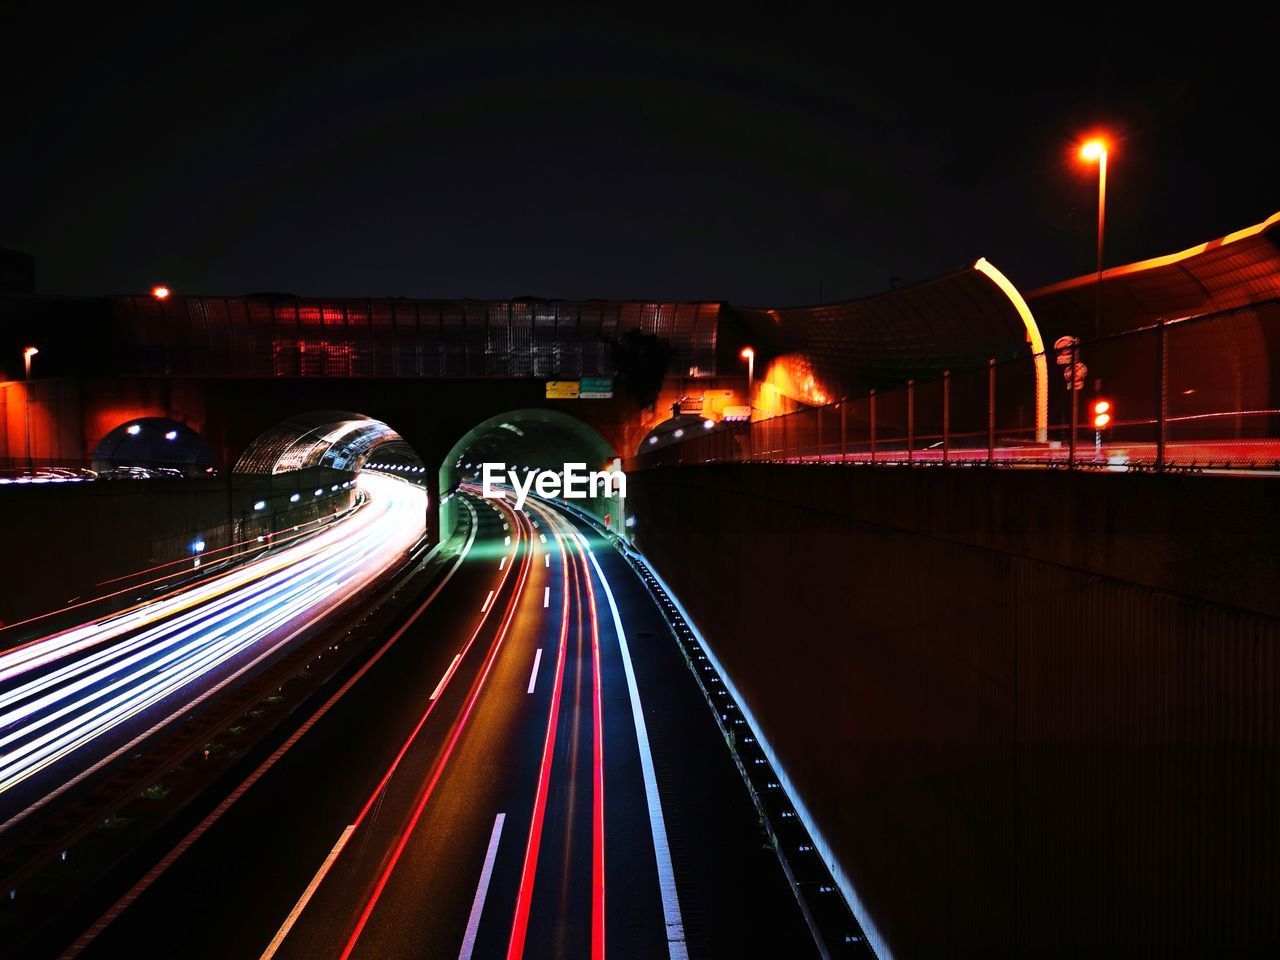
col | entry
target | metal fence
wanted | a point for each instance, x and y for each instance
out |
(1196, 393)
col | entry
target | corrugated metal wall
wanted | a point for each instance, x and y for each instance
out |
(248, 337)
(1034, 714)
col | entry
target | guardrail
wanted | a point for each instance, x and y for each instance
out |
(1190, 394)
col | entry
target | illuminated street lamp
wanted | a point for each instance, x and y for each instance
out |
(749, 355)
(160, 292)
(1095, 151)
(27, 354)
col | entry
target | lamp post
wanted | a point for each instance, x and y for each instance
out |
(27, 354)
(749, 355)
(1095, 151)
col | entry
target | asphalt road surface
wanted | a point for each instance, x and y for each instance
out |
(525, 767)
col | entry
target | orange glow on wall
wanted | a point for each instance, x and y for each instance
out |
(790, 383)
(1162, 261)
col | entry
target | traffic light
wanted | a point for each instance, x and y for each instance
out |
(1101, 414)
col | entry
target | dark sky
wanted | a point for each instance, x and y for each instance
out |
(717, 158)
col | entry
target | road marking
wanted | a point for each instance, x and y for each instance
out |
(477, 905)
(503, 562)
(307, 894)
(676, 946)
(543, 536)
(506, 541)
(546, 596)
(524, 894)
(546, 560)
(537, 659)
(447, 674)
(202, 827)
(487, 600)
(460, 726)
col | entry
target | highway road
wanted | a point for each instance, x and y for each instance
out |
(525, 767)
(72, 702)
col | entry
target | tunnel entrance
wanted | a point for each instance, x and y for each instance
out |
(306, 468)
(149, 447)
(528, 439)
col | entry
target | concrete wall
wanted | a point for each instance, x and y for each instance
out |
(63, 540)
(1034, 713)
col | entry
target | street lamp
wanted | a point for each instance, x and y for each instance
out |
(749, 355)
(161, 292)
(1095, 151)
(27, 354)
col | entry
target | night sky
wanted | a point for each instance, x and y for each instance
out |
(724, 158)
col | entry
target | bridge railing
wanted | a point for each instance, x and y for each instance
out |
(1199, 393)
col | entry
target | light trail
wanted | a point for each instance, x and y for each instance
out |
(201, 828)
(524, 897)
(168, 647)
(442, 761)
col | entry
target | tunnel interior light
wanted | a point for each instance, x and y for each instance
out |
(709, 424)
(171, 435)
(133, 430)
(653, 439)
(631, 521)
(260, 505)
(160, 292)
(319, 491)
(197, 546)
(679, 432)
(295, 498)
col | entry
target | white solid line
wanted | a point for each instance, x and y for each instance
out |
(447, 674)
(546, 596)
(503, 562)
(533, 677)
(477, 905)
(676, 947)
(307, 894)
(487, 600)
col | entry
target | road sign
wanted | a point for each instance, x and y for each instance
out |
(596, 388)
(1075, 376)
(1062, 347)
(562, 390)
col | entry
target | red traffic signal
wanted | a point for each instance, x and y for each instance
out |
(1101, 414)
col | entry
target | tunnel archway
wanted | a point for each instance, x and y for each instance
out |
(153, 447)
(332, 439)
(533, 438)
(305, 468)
